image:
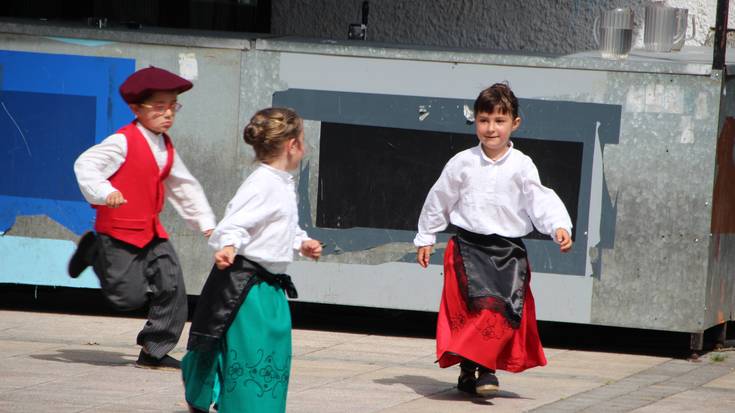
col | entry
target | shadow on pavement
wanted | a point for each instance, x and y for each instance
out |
(92, 357)
(439, 390)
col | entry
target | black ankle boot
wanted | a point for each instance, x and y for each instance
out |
(487, 382)
(467, 378)
(84, 255)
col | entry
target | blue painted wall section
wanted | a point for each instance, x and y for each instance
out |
(53, 107)
(49, 138)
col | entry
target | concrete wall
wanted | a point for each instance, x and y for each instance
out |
(563, 26)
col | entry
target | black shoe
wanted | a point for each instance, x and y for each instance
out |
(193, 409)
(487, 383)
(84, 255)
(166, 362)
(467, 382)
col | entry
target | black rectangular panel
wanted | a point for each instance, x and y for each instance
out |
(377, 177)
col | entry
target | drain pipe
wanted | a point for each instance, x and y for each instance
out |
(720, 43)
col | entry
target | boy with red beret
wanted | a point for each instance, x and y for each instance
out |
(126, 178)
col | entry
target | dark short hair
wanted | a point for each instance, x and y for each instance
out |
(497, 96)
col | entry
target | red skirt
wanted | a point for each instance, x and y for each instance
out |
(484, 336)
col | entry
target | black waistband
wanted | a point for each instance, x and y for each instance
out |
(481, 239)
(221, 297)
(280, 280)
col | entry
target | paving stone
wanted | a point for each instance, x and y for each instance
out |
(69, 363)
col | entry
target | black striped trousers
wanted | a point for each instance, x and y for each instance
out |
(132, 277)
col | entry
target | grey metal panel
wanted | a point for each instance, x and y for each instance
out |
(408, 286)
(207, 136)
(660, 179)
(652, 272)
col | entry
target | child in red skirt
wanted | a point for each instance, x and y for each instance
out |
(493, 195)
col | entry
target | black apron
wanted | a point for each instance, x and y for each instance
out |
(223, 293)
(495, 272)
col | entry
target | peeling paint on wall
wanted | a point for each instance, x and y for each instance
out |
(82, 42)
(188, 68)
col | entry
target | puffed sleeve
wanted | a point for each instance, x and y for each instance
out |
(245, 211)
(96, 165)
(543, 205)
(439, 203)
(187, 197)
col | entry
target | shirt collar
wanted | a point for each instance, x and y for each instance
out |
(287, 177)
(147, 132)
(501, 159)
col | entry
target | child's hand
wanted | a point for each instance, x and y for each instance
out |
(423, 254)
(563, 239)
(115, 199)
(311, 248)
(208, 233)
(224, 257)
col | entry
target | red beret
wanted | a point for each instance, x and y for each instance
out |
(145, 81)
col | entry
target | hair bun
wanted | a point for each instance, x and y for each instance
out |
(252, 133)
(269, 129)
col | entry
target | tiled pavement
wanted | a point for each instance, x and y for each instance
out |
(80, 363)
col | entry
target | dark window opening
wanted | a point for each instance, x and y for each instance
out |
(377, 177)
(218, 15)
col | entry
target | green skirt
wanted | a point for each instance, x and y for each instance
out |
(249, 371)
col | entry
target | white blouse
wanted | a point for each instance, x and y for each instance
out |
(503, 197)
(261, 221)
(97, 164)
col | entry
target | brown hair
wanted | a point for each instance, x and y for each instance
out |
(497, 96)
(269, 129)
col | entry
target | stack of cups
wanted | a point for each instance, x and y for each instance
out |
(662, 29)
(615, 33)
(682, 17)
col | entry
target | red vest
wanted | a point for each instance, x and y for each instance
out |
(141, 183)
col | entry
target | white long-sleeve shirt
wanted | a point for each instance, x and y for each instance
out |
(261, 221)
(503, 197)
(97, 164)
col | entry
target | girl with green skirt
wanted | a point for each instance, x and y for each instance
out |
(239, 344)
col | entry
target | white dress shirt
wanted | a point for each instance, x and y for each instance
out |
(261, 221)
(97, 164)
(503, 197)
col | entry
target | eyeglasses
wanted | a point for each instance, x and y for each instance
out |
(162, 107)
